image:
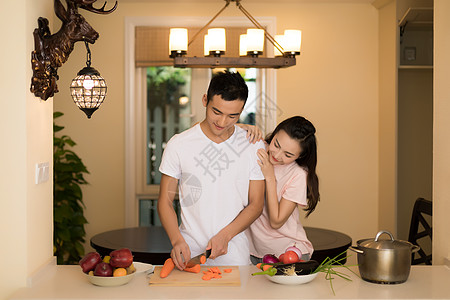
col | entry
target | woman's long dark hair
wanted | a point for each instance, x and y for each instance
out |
(303, 131)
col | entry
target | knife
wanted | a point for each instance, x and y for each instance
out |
(196, 259)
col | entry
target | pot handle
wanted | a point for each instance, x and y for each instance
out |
(384, 231)
(415, 248)
(357, 250)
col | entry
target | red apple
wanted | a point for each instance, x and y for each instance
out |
(89, 261)
(103, 269)
(121, 258)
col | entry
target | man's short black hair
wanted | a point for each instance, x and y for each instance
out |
(230, 86)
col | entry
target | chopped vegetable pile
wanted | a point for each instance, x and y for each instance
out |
(213, 272)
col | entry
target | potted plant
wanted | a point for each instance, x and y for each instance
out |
(68, 206)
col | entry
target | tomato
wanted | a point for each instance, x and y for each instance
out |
(281, 258)
(290, 257)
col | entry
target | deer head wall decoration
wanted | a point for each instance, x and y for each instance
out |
(53, 50)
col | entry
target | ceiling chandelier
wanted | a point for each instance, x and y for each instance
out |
(251, 46)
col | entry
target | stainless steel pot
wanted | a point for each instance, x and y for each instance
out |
(384, 261)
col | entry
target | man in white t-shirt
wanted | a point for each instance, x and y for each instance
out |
(221, 186)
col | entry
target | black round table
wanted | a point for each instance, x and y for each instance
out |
(152, 245)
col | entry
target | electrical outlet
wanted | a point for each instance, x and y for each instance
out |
(42, 172)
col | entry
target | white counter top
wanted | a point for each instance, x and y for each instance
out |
(68, 282)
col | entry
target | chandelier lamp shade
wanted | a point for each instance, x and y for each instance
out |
(251, 46)
(88, 88)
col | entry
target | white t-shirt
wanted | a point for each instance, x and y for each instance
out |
(291, 185)
(213, 181)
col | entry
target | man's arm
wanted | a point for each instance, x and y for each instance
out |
(167, 189)
(219, 242)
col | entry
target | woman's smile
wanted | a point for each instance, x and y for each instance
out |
(274, 159)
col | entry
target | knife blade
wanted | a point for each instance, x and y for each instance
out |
(196, 259)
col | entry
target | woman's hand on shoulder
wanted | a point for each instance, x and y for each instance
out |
(265, 164)
(254, 134)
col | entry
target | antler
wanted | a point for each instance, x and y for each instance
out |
(87, 5)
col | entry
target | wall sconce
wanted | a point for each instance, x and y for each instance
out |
(53, 50)
(88, 89)
(251, 46)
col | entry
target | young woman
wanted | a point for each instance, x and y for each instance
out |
(289, 167)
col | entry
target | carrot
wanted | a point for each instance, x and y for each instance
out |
(259, 266)
(202, 259)
(206, 277)
(194, 269)
(227, 270)
(167, 268)
(213, 272)
(266, 267)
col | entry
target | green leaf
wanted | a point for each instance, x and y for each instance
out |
(69, 221)
(57, 128)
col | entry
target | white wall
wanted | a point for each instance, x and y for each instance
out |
(387, 118)
(26, 135)
(335, 85)
(441, 133)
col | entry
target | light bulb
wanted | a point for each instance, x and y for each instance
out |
(88, 84)
(243, 45)
(217, 40)
(178, 40)
(279, 38)
(292, 41)
(255, 40)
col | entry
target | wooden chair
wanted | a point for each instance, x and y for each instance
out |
(421, 207)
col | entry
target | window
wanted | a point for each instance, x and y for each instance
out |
(161, 101)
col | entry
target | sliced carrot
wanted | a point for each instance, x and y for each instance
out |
(259, 266)
(227, 270)
(194, 269)
(167, 268)
(266, 267)
(202, 259)
(206, 277)
(213, 272)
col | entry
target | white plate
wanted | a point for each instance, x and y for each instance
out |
(291, 280)
(143, 267)
(110, 281)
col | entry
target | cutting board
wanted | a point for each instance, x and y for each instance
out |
(182, 278)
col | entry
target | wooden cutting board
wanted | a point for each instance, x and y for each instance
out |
(182, 278)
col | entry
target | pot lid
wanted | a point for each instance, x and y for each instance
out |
(384, 244)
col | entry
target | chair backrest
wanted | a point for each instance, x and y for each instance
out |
(421, 207)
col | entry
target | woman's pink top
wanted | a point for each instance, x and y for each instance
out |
(291, 185)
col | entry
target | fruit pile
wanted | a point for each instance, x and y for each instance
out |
(117, 263)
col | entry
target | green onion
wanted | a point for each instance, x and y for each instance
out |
(329, 265)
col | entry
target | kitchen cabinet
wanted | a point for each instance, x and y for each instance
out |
(415, 110)
(416, 38)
